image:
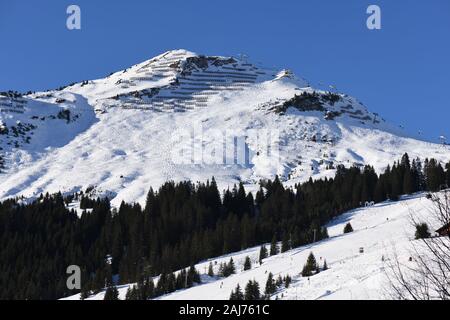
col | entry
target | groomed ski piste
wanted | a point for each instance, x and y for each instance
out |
(383, 231)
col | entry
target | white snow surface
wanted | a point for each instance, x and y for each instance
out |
(381, 230)
(124, 130)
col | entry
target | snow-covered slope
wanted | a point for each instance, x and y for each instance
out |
(122, 134)
(381, 230)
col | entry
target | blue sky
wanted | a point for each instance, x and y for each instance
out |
(401, 71)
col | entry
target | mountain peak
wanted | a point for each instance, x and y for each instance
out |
(176, 79)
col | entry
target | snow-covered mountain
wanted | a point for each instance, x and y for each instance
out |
(124, 133)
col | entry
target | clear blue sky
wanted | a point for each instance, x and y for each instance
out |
(401, 71)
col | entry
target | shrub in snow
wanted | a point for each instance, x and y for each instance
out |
(348, 228)
(422, 231)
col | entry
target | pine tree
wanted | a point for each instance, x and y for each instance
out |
(84, 294)
(418, 175)
(310, 267)
(222, 270)
(162, 284)
(192, 277)
(260, 197)
(408, 182)
(396, 184)
(447, 174)
(227, 269)
(230, 267)
(111, 293)
(131, 294)
(252, 291)
(434, 175)
(171, 282)
(279, 281)
(262, 253)
(247, 263)
(85, 289)
(181, 280)
(210, 270)
(273, 247)
(237, 294)
(348, 228)
(287, 281)
(380, 192)
(324, 233)
(271, 287)
(144, 290)
(149, 288)
(285, 243)
(295, 238)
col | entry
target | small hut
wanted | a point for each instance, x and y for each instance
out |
(444, 230)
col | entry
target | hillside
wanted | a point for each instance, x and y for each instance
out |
(380, 230)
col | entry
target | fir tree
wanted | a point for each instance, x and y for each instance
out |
(348, 228)
(227, 269)
(171, 282)
(210, 270)
(222, 270)
(262, 253)
(192, 277)
(149, 289)
(237, 294)
(252, 291)
(84, 294)
(231, 268)
(279, 281)
(111, 293)
(285, 243)
(247, 263)
(395, 183)
(380, 191)
(274, 247)
(310, 267)
(324, 233)
(408, 182)
(162, 284)
(447, 174)
(85, 289)
(181, 280)
(434, 175)
(271, 287)
(287, 281)
(131, 294)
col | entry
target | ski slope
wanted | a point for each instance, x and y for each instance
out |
(125, 131)
(382, 230)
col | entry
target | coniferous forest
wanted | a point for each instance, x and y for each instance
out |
(180, 225)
